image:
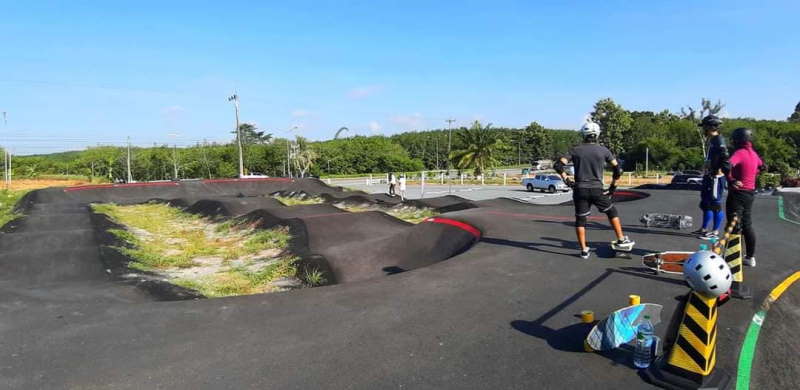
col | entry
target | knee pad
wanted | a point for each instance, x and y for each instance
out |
(611, 212)
(580, 221)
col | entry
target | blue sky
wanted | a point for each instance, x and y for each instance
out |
(77, 73)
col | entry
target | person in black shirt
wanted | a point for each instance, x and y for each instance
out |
(589, 159)
(716, 167)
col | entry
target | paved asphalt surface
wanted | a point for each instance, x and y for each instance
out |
(499, 315)
(474, 192)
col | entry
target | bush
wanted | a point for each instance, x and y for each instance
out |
(768, 180)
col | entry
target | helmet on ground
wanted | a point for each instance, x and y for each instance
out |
(707, 273)
(741, 136)
(590, 129)
(711, 121)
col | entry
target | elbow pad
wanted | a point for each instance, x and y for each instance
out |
(558, 166)
(617, 172)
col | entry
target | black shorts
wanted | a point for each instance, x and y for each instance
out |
(584, 198)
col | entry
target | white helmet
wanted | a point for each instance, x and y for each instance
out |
(707, 273)
(590, 128)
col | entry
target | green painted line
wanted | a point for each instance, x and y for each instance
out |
(748, 351)
(781, 215)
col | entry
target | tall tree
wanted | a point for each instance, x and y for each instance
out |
(795, 117)
(695, 115)
(538, 141)
(303, 155)
(479, 148)
(251, 136)
(615, 124)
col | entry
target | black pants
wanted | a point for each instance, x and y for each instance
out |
(584, 198)
(741, 203)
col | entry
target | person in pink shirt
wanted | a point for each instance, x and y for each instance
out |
(745, 166)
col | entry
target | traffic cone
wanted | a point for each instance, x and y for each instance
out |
(691, 361)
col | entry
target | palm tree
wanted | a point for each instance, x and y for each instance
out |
(479, 146)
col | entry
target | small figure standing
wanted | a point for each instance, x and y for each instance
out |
(589, 159)
(402, 182)
(714, 183)
(392, 183)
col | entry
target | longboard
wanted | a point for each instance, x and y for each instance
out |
(667, 262)
(620, 327)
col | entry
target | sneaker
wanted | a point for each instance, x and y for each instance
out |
(749, 261)
(625, 243)
(712, 235)
(585, 254)
(699, 232)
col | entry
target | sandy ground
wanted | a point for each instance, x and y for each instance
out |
(33, 184)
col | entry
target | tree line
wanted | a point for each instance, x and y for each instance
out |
(672, 141)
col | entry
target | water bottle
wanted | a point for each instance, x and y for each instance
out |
(643, 353)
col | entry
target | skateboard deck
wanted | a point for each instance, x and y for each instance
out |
(666, 262)
(620, 327)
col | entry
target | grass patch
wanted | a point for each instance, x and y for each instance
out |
(9, 199)
(241, 280)
(409, 214)
(294, 201)
(214, 258)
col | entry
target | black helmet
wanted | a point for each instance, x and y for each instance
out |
(741, 136)
(711, 121)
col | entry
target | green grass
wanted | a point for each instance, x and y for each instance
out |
(240, 280)
(294, 201)
(314, 277)
(159, 236)
(9, 199)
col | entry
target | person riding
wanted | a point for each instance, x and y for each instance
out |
(589, 159)
(714, 186)
(745, 164)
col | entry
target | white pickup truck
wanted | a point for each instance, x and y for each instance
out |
(545, 182)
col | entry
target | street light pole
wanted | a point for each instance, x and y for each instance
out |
(130, 179)
(449, 139)
(235, 99)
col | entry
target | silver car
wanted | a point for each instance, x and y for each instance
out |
(549, 183)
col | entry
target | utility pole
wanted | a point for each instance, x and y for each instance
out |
(449, 139)
(646, 161)
(437, 151)
(175, 159)
(130, 179)
(205, 158)
(235, 99)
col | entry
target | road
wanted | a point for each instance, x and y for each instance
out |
(473, 192)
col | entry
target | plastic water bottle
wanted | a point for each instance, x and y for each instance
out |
(643, 353)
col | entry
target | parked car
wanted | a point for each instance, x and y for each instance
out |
(549, 183)
(687, 179)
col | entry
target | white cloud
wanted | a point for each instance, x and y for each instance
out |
(300, 113)
(409, 122)
(364, 91)
(374, 126)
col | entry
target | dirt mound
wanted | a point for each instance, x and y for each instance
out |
(443, 204)
(232, 207)
(360, 246)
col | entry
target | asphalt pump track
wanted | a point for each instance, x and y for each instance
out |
(486, 297)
